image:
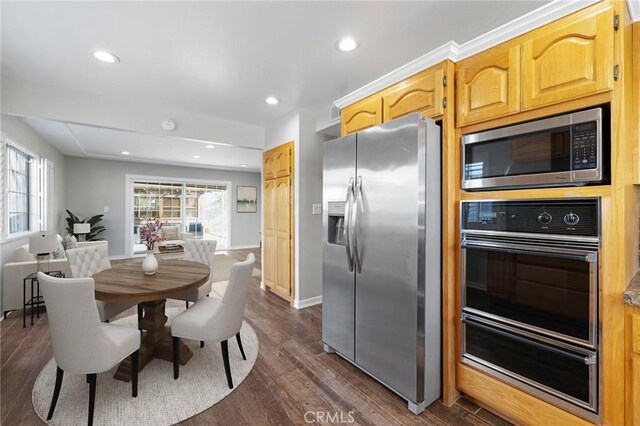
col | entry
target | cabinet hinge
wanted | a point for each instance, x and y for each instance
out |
(444, 81)
(616, 22)
(444, 102)
(616, 72)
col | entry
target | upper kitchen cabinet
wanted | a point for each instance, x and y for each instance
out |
(489, 85)
(282, 160)
(420, 93)
(570, 58)
(268, 165)
(361, 115)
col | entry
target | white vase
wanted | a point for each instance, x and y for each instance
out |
(150, 263)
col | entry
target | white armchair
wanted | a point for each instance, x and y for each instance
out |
(86, 261)
(81, 343)
(202, 251)
(216, 320)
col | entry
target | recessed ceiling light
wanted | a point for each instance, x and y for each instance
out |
(196, 156)
(271, 100)
(125, 152)
(105, 56)
(347, 44)
(210, 146)
(243, 165)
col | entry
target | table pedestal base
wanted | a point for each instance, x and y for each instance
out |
(156, 341)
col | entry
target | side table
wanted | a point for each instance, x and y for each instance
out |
(34, 300)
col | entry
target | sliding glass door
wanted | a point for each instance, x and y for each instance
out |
(199, 209)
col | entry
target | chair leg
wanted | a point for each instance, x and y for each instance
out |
(225, 359)
(134, 373)
(140, 312)
(176, 360)
(202, 343)
(187, 303)
(91, 378)
(56, 392)
(239, 340)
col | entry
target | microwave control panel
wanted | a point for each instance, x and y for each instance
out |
(584, 146)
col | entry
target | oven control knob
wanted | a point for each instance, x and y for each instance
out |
(571, 219)
(544, 218)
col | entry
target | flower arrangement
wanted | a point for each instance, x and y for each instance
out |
(150, 233)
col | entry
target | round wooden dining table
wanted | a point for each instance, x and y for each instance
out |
(127, 283)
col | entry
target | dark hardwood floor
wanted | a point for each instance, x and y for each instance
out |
(291, 377)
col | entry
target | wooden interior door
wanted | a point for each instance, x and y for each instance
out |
(269, 245)
(282, 284)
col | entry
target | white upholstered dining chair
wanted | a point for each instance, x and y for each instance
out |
(202, 251)
(86, 261)
(216, 320)
(81, 343)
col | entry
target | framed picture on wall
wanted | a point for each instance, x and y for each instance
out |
(246, 199)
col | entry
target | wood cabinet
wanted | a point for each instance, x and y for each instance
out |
(632, 344)
(489, 85)
(422, 92)
(282, 161)
(278, 220)
(361, 115)
(268, 165)
(570, 58)
(269, 237)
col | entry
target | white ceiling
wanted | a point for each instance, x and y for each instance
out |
(95, 142)
(224, 58)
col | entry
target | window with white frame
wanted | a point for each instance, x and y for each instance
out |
(27, 180)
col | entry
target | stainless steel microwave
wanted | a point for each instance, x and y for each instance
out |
(565, 150)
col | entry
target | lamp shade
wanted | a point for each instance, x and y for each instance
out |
(81, 228)
(42, 244)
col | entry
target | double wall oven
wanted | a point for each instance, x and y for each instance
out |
(530, 296)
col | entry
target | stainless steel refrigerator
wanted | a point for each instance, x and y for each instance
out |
(381, 255)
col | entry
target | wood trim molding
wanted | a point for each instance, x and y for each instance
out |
(456, 52)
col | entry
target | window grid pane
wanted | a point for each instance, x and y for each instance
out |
(18, 190)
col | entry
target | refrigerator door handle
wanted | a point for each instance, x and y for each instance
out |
(356, 208)
(347, 224)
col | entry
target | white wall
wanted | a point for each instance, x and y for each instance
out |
(23, 135)
(93, 184)
(300, 127)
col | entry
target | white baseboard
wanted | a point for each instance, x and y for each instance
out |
(119, 257)
(305, 303)
(241, 247)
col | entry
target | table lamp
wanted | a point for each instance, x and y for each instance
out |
(42, 246)
(81, 229)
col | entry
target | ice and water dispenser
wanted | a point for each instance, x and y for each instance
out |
(336, 223)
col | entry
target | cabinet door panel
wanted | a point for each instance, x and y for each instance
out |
(268, 268)
(283, 161)
(361, 115)
(268, 165)
(422, 92)
(283, 237)
(568, 59)
(489, 85)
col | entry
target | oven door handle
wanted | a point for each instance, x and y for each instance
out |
(568, 253)
(587, 360)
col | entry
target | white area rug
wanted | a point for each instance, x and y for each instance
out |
(161, 400)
